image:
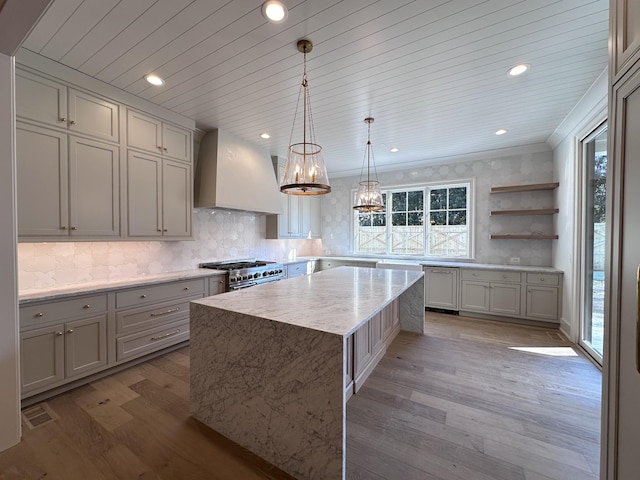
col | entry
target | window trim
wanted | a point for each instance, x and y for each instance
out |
(425, 187)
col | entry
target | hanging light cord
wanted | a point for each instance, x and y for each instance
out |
(306, 99)
(369, 155)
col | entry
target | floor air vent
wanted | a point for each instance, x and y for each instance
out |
(38, 415)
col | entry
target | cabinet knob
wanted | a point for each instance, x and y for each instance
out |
(63, 227)
(165, 149)
(72, 122)
(74, 228)
(39, 314)
(164, 229)
(88, 305)
(58, 334)
(62, 119)
(143, 296)
(159, 229)
(70, 330)
(159, 147)
(186, 288)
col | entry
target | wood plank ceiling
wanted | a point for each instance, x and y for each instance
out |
(433, 73)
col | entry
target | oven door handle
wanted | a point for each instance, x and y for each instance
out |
(246, 285)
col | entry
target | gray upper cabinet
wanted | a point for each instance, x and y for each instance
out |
(625, 36)
(158, 197)
(301, 217)
(151, 134)
(67, 186)
(53, 104)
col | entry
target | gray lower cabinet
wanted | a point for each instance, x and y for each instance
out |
(368, 345)
(296, 269)
(441, 288)
(327, 263)
(62, 341)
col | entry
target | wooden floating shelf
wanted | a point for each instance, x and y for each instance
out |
(539, 211)
(526, 188)
(523, 237)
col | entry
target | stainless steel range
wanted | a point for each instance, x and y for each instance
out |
(247, 272)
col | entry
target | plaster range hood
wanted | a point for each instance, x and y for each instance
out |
(237, 175)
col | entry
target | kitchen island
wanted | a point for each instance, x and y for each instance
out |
(269, 364)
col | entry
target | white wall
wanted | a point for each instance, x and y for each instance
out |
(514, 166)
(218, 235)
(9, 373)
(585, 116)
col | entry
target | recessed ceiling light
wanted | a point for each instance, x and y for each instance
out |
(265, 135)
(274, 11)
(394, 149)
(502, 131)
(519, 69)
(154, 79)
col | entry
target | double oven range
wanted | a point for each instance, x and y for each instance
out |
(247, 272)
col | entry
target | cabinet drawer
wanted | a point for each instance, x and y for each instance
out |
(150, 341)
(491, 275)
(156, 293)
(551, 279)
(41, 313)
(296, 269)
(138, 319)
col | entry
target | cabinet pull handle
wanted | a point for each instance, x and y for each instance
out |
(58, 334)
(446, 272)
(160, 337)
(88, 305)
(39, 314)
(72, 122)
(166, 312)
(62, 119)
(70, 330)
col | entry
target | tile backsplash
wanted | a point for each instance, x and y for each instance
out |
(218, 235)
(532, 164)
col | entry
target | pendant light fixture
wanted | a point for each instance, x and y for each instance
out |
(369, 196)
(305, 172)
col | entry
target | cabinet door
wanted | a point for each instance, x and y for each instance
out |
(362, 354)
(41, 99)
(505, 299)
(144, 200)
(144, 132)
(542, 303)
(295, 212)
(176, 199)
(94, 188)
(85, 345)
(310, 217)
(626, 33)
(41, 358)
(475, 296)
(176, 142)
(217, 285)
(43, 188)
(93, 116)
(376, 333)
(441, 288)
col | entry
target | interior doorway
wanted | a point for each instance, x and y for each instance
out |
(594, 198)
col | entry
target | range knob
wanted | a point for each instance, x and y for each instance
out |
(232, 279)
(257, 275)
(245, 277)
(280, 271)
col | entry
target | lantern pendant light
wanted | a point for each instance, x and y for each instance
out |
(369, 196)
(305, 172)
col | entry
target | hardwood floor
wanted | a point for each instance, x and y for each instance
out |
(458, 403)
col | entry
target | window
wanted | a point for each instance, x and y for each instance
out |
(430, 220)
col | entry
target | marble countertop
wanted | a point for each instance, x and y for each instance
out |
(441, 263)
(336, 301)
(55, 293)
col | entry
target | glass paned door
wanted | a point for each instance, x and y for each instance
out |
(594, 163)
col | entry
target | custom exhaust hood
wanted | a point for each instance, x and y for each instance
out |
(234, 174)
